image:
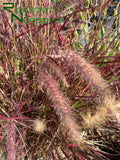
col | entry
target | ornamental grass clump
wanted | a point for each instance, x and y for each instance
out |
(60, 81)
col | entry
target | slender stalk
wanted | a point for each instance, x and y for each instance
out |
(11, 140)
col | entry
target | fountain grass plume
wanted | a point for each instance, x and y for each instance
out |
(61, 106)
(87, 71)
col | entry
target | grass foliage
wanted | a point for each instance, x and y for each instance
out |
(60, 82)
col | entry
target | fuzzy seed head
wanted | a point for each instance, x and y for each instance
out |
(39, 126)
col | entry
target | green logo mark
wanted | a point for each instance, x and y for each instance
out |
(31, 9)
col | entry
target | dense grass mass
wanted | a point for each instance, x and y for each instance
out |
(60, 80)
